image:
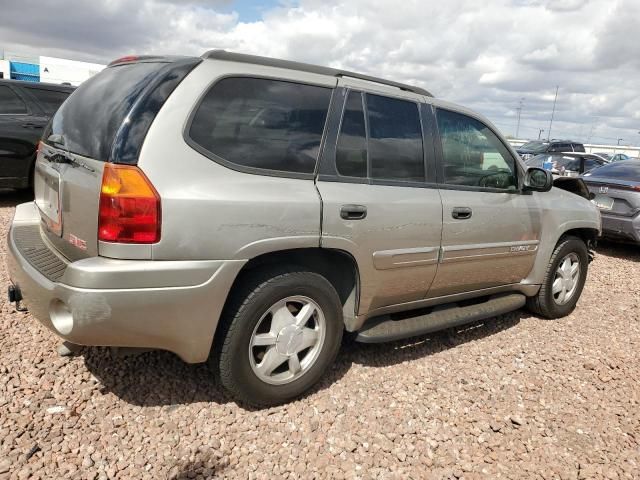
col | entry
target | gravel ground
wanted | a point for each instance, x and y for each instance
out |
(513, 397)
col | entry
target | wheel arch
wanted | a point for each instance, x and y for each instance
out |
(339, 267)
(586, 231)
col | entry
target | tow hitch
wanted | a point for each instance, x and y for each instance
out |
(15, 296)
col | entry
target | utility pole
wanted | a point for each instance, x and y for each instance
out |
(519, 110)
(552, 114)
(542, 130)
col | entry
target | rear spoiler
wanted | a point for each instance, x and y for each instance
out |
(147, 59)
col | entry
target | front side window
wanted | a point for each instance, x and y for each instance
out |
(262, 123)
(10, 103)
(472, 154)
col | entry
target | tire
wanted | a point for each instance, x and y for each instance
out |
(249, 316)
(550, 304)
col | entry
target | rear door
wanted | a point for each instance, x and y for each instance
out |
(491, 230)
(105, 119)
(378, 203)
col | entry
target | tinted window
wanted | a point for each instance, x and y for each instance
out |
(578, 147)
(590, 164)
(91, 117)
(629, 170)
(10, 102)
(472, 154)
(566, 163)
(351, 152)
(49, 100)
(395, 139)
(560, 147)
(259, 123)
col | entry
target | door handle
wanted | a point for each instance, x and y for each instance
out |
(353, 212)
(461, 213)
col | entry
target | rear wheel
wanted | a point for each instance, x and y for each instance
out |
(279, 335)
(564, 279)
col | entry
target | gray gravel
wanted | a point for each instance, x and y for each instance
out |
(514, 397)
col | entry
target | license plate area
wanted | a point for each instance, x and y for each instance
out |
(48, 197)
(603, 202)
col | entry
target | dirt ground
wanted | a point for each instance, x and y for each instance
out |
(512, 397)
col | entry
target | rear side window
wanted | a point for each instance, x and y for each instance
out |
(578, 147)
(91, 117)
(351, 152)
(395, 139)
(261, 123)
(10, 103)
(387, 146)
(49, 100)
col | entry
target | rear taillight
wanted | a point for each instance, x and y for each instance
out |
(129, 206)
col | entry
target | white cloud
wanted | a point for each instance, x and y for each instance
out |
(485, 55)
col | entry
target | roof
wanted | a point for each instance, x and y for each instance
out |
(307, 67)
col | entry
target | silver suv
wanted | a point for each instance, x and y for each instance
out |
(252, 210)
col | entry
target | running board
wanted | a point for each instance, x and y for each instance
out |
(384, 329)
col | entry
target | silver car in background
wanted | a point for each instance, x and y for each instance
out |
(249, 211)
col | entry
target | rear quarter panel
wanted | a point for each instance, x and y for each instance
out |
(209, 211)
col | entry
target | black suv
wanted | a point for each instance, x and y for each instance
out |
(536, 147)
(25, 109)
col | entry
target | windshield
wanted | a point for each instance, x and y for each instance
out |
(535, 146)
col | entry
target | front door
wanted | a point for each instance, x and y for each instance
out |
(377, 204)
(491, 230)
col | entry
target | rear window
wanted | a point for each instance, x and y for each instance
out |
(627, 170)
(261, 123)
(49, 100)
(91, 117)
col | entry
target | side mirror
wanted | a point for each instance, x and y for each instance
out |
(538, 180)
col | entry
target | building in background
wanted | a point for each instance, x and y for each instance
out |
(46, 69)
(60, 70)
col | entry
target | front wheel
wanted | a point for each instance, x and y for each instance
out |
(280, 334)
(564, 279)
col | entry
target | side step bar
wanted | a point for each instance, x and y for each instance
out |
(384, 329)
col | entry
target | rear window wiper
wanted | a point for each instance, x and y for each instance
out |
(61, 157)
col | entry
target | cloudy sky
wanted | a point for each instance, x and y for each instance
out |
(489, 55)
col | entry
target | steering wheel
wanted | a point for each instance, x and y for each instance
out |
(502, 180)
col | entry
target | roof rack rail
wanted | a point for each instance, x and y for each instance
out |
(307, 67)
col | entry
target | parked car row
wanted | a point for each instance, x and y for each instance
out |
(538, 147)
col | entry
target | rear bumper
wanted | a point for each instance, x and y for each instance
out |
(166, 305)
(622, 228)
